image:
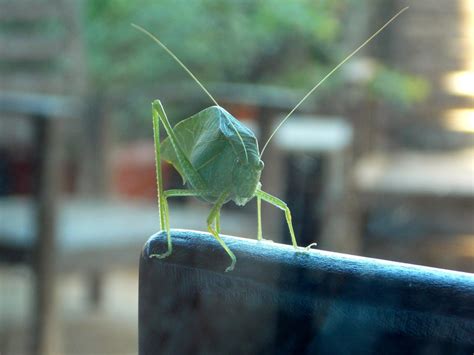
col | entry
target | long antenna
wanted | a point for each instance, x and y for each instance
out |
(329, 74)
(176, 59)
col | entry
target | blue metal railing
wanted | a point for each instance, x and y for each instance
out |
(278, 301)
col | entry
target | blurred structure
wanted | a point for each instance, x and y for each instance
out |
(444, 56)
(315, 152)
(40, 60)
(417, 183)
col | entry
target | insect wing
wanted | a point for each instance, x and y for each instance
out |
(241, 138)
(194, 134)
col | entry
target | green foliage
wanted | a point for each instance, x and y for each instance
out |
(242, 40)
(398, 89)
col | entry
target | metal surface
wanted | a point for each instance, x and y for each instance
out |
(278, 301)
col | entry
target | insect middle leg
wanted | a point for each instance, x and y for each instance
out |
(259, 218)
(218, 222)
(275, 201)
(213, 225)
(165, 217)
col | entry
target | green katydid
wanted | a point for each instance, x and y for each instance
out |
(218, 158)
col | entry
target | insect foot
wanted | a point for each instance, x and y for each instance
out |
(226, 248)
(231, 267)
(309, 247)
(161, 256)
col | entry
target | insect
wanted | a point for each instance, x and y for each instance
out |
(218, 158)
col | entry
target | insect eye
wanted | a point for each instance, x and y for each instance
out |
(260, 165)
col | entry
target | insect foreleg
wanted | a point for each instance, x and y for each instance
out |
(275, 201)
(212, 222)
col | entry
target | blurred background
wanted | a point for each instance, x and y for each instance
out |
(378, 162)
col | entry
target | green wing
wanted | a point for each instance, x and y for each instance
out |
(194, 134)
(212, 140)
(235, 133)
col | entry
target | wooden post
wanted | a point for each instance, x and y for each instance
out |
(47, 192)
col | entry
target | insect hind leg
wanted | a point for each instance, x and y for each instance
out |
(259, 218)
(162, 203)
(275, 201)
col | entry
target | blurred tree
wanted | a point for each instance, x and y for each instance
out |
(286, 43)
(222, 41)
